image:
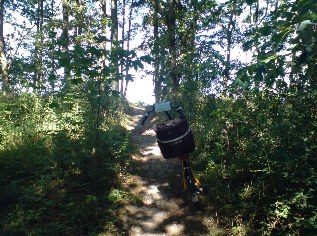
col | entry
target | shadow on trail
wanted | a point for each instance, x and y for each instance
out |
(162, 209)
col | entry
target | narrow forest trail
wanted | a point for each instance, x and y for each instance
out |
(157, 183)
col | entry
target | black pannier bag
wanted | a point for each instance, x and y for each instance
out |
(175, 138)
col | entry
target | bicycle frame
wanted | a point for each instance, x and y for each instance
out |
(188, 171)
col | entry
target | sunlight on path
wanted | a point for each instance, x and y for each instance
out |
(157, 184)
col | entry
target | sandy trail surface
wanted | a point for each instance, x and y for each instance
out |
(162, 209)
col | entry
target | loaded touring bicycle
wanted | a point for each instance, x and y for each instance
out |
(175, 140)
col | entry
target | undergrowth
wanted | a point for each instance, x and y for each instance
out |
(256, 156)
(54, 178)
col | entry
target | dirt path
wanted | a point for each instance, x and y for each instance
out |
(162, 209)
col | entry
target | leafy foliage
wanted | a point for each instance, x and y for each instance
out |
(61, 143)
(259, 163)
(53, 178)
(256, 149)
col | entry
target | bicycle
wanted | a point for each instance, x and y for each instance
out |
(175, 139)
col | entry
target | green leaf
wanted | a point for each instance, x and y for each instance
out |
(148, 59)
(129, 77)
(250, 2)
(90, 199)
(77, 81)
(137, 64)
(268, 59)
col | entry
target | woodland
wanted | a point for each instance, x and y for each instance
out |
(243, 70)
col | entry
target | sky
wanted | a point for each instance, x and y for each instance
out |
(141, 89)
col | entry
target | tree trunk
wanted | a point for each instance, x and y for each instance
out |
(127, 68)
(171, 28)
(114, 41)
(156, 79)
(230, 29)
(114, 19)
(79, 29)
(3, 57)
(66, 42)
(41, 72)
(52, 52)
(78, 32)
(123, 41)
(38, 52)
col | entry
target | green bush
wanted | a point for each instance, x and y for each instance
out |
(56, 176)
(257, 159)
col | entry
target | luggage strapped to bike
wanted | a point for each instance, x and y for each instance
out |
(174, 137)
